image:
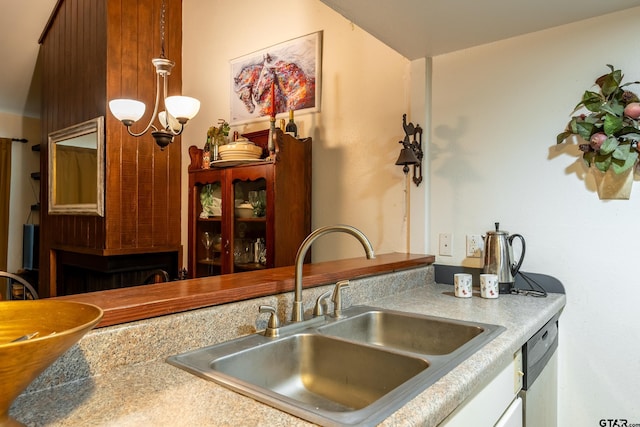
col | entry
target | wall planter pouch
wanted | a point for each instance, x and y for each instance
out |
(613, 186)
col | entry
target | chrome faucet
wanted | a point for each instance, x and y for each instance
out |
(297, 313)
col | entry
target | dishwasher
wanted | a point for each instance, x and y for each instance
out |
(540, 383)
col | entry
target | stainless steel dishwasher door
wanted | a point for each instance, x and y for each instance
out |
(540, 364)
(540, 402)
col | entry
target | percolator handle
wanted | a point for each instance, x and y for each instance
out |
(516, 267)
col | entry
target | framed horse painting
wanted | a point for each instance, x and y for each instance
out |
(292, 68)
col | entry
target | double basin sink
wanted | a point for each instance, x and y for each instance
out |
(353, 370)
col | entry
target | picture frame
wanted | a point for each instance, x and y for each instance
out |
(289, 71)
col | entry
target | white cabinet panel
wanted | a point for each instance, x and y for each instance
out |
(512, 416)
(487, 406)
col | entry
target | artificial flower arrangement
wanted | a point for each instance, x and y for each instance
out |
(610, 128)
(218, 134)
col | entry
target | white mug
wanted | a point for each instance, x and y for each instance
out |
(462, 285)
(489, 286)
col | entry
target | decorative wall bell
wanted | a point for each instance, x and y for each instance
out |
(411, 152)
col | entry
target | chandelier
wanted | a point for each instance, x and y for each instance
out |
(178, 110)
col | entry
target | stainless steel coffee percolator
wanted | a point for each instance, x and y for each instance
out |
(498, 257)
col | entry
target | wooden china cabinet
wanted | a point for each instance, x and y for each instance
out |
(264, 239)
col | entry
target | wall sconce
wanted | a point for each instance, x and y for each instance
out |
(411, 152)
(178, 109)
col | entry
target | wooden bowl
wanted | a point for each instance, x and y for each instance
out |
(59, 325)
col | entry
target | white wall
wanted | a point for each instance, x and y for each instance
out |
(24, 191)
(496, 112)
(365, 91)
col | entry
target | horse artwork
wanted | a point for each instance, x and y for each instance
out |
(291, 67)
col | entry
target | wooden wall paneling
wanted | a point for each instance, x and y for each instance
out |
(293, 222)
(148, 221)
(141, 149)
(95, 34)
(71, 99)
(94, 51)
(45, 240)
(174, 51)
(157, 219)
(74, 60)
(148, 17)
(132, 61)
(114, 129)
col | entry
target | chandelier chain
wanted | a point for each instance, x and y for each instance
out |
(162, 24)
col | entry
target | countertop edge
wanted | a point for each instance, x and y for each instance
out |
(155, 393)
(158, 299)
(433, 405)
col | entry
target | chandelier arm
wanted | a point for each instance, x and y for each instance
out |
(168, 127)
(173, 132)
(150, 126)
(153, 116)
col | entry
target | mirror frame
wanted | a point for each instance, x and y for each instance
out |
(90, 126)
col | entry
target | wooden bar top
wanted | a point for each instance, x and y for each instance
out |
(146, 301)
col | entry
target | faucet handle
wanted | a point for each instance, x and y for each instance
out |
(318, 310)
(337, 298)
(272, 326)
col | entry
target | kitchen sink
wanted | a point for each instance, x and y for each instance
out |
(403, 331)
(354, 370)
(321, 371)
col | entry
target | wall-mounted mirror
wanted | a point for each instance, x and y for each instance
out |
(76, 169)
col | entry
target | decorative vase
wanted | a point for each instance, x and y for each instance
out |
(613, 186)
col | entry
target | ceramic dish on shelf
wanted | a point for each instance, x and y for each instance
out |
(244, 210)
(240, 156)
(229, 163)
(240, 150)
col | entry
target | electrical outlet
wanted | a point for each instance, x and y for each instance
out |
(474, 246)
(445, 244)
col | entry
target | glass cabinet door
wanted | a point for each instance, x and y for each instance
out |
(209, 229)
(249, 224)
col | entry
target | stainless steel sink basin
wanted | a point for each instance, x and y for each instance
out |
(355, 370)
(321, 371)
(402, 331)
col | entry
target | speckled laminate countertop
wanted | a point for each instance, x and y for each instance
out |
(117, 376)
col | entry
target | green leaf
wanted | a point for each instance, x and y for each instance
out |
(585, 129)
(629, 83)
(621, 152)
(562, 136)
(629, 162)
(619, 166)
(609, 146)
(611, 82)
(629, 134)
(589, 157)
(602, 162)
(612, 124)
(613, 107)
(592, 101)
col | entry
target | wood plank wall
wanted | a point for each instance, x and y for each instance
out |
(94, 51)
